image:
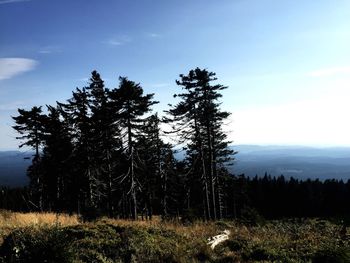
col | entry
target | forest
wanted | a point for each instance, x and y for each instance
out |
(103, 152)
(112, 181)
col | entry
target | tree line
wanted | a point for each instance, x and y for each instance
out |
(279, 197)
(248, 198)
(103, 151)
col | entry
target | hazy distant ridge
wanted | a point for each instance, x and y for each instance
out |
(13, 166)
(297, 161)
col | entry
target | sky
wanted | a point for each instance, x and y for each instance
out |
(286, 63)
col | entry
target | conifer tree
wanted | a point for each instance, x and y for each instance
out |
(157, 166)
(56, 161)
(29, 124)
(132, 105)
(105, 138)
(76, 112)
(199, 122)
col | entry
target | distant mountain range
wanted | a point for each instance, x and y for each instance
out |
(296, 161)
(13, 166)
(293, 161)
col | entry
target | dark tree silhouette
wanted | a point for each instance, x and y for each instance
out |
(102, 153)
(55, 163)
(29, 124)
(198, 121)
(133, 105)
(76, 112)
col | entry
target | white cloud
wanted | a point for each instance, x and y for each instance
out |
(49, 50)
(118, 41)
(114, 42)
(10, 67)
(45, 51)
(329, 72)
(154, 35)
(12, 1)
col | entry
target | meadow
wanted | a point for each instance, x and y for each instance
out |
(49, 237)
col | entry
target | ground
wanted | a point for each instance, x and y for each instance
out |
(48, 237)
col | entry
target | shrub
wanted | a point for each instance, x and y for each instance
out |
(95, 242)
(189, 216)
(223, 224)
(235, 245)
(101, 243)
(332, 255)
(90, 214)
(250, 216)
(36, 245)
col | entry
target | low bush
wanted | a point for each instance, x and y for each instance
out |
(100, 243)
(151, 241)
(36, 245)
(332, 255)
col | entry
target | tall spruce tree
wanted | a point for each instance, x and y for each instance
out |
(199, 121)
(157, 166)
(132, 105)
(105, 137)
(76, 112)
(56, 162)
(30, 126)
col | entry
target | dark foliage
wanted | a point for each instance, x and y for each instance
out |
(102, 153)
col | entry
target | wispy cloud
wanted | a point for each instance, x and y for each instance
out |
(12, 1)
(10, 67)
(49, 50)
(154, 35)
(327, 72)
(118, 41)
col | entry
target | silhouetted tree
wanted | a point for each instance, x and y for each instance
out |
(133, 106)
(56, 163)
(76, 112)
(198, 121)
(105, 138)
(29, 124)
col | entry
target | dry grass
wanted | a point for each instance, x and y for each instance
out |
(275, 241)
(198, 229)
(15, 220)
(10, 221)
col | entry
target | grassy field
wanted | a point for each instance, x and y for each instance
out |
(47, 237)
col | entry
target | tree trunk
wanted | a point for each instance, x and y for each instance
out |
(211, 168)
(204, 178)
(132, 173)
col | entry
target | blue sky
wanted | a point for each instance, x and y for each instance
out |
(287, 63)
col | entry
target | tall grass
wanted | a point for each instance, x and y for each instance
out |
(15, 220)
(118, 240)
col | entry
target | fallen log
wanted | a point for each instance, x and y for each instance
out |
(215, 240)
